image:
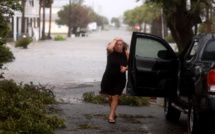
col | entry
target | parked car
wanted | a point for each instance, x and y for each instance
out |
(186, 82)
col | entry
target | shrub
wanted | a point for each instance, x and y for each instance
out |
(133, 100)
(1, 73)
(5, 54)
(5, 30)
(23, 42)
(92, 98)
(23, 109)
(59, 38)
(123, 99)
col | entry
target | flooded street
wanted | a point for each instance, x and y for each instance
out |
(76, 66)
(76, 60)
(64, 64)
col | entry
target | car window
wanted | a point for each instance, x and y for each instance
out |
(209, 51)
(148, 48)
(193, 51)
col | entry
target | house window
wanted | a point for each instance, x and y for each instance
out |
(30, 3)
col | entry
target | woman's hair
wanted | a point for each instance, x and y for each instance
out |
(125, 45)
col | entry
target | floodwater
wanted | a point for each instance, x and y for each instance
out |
(76, 60)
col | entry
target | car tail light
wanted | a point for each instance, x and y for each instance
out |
(211, 81)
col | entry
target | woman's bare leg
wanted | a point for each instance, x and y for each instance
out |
(109, 100)
(114, 103)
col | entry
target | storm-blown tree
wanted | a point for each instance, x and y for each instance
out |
(79, 17)
(116, 22)
(152, 15)
(101, 21)
(180, 19)
(94, 17)
(129, 17)
(7, 7)
(148, 13)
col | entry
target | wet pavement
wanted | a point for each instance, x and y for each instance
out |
(87, 118)
(76, 66)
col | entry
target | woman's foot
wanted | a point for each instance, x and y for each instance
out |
(112, 121)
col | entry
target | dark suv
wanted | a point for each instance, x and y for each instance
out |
(186, 82)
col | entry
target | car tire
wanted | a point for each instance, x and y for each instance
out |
(196, 124)
(171, 114)
(192, 120)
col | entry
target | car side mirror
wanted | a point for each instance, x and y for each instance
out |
(163, 54)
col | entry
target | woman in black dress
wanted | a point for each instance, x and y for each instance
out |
(114, 78)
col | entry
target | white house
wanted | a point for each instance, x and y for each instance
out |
(55, 28)
(31, 19)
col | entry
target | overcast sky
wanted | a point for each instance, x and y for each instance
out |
(112, 8)
(108, 8)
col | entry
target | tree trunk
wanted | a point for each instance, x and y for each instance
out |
(144, 30)
(39, 17)
(50, 19)
(23, 17)
(74, 30)
(179, 24)
(43, 30)
(69, 22)
(156, 27)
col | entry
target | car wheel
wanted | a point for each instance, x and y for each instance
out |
(170, 112)
(195, 126)
(191, 120)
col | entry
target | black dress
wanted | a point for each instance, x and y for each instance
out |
(113, 81)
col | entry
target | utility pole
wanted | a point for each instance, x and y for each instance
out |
(69, 24)
(162, 24)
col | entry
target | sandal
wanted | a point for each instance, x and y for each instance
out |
(111, 121)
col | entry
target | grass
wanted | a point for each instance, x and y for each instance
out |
(123, 99)
(87, 126)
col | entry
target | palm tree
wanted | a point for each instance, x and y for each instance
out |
(40, 15)
(23, 16)
(43, 29)
(50, 18)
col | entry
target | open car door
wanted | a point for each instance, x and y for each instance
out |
(152, 67)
